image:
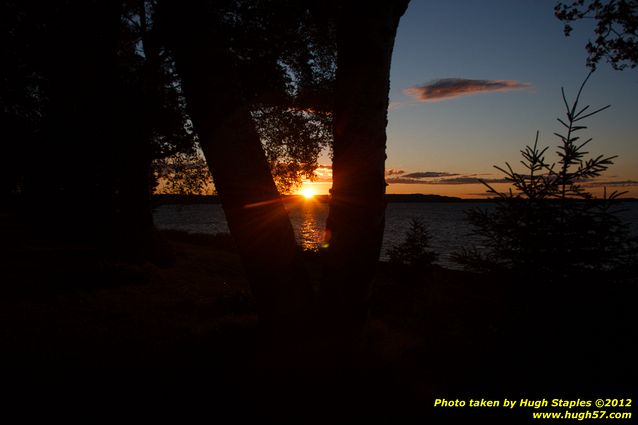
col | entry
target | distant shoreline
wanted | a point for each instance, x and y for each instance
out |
(214, 199)
(391, 198)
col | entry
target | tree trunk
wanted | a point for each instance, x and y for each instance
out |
(365, 39)
(255, 213)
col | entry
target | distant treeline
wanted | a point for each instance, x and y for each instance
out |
(214, 199)
(414, 197)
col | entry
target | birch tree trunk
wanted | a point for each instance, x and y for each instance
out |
(365, 39)
(254, 210)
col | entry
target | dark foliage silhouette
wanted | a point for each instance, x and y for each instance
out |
(117, 75)
(548, 224)
(414, 251)
(262, 87)
(616, 36)
(233, 116)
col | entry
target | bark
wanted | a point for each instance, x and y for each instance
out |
(255, 213)
(137, 236)
(365, 39)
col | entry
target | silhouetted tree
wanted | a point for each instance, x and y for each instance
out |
(154, 126)
(182, 174)
(21, 100)
(293, 139)
(365, 40)
(616, 36)
(267, 84)
(69, 173)
(549, 226)
(414, 251)
(225, 79)
(88, 104)
(220, 99)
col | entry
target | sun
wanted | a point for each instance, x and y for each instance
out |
(308, 193)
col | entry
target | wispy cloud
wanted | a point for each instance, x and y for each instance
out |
(621, 183)
(323, 173)
(393, 172)
(469, 180)
(436, 177)
(450, 88)
(429, 174)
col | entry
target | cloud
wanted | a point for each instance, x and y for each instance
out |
(428, 174)
(466, 179)
(449, 88)
(393, 172)
(323, 173)
(622, 183)
(402, 180)
(442, 178)
(469, 180)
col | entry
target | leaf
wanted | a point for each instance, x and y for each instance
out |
(592, 113)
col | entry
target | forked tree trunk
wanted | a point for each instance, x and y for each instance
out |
(365, 39)
(255, 213)
(256, 217)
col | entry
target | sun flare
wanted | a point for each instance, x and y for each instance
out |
(308, 193)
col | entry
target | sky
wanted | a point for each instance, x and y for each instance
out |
(473, 81)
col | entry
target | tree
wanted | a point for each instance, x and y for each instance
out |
(616, 29)
(265, 84)
(82, 66)
(48, 118)
(293, 139)
(549, 225)
(219, 102)
(21, 102)
(414, 251)
(217, 75)
(365, 40)
(182, 174)
(70, 163)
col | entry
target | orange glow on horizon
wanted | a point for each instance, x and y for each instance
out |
(314, 188)
(308, 192)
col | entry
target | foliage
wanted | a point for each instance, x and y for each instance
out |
(549, 223)
(616, 25)
(293, 53)
(292, 140)
(182, 174)
(22, 102)
(151, 70)
(415, 249)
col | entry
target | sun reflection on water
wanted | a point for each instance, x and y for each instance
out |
(309, 219)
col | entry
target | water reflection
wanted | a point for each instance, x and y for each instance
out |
(446, 222)
(309, 220)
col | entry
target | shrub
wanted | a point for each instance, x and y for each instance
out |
(414, 250)
(548, 223)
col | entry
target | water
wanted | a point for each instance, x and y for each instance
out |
(446, 223)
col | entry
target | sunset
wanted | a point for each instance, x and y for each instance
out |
(308, 192)
(412, 211)
(456, 115)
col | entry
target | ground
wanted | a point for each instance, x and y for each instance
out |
(432, 332)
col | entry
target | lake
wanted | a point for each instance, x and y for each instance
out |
(446, 222)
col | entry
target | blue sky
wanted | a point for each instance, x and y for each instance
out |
(516, 40)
